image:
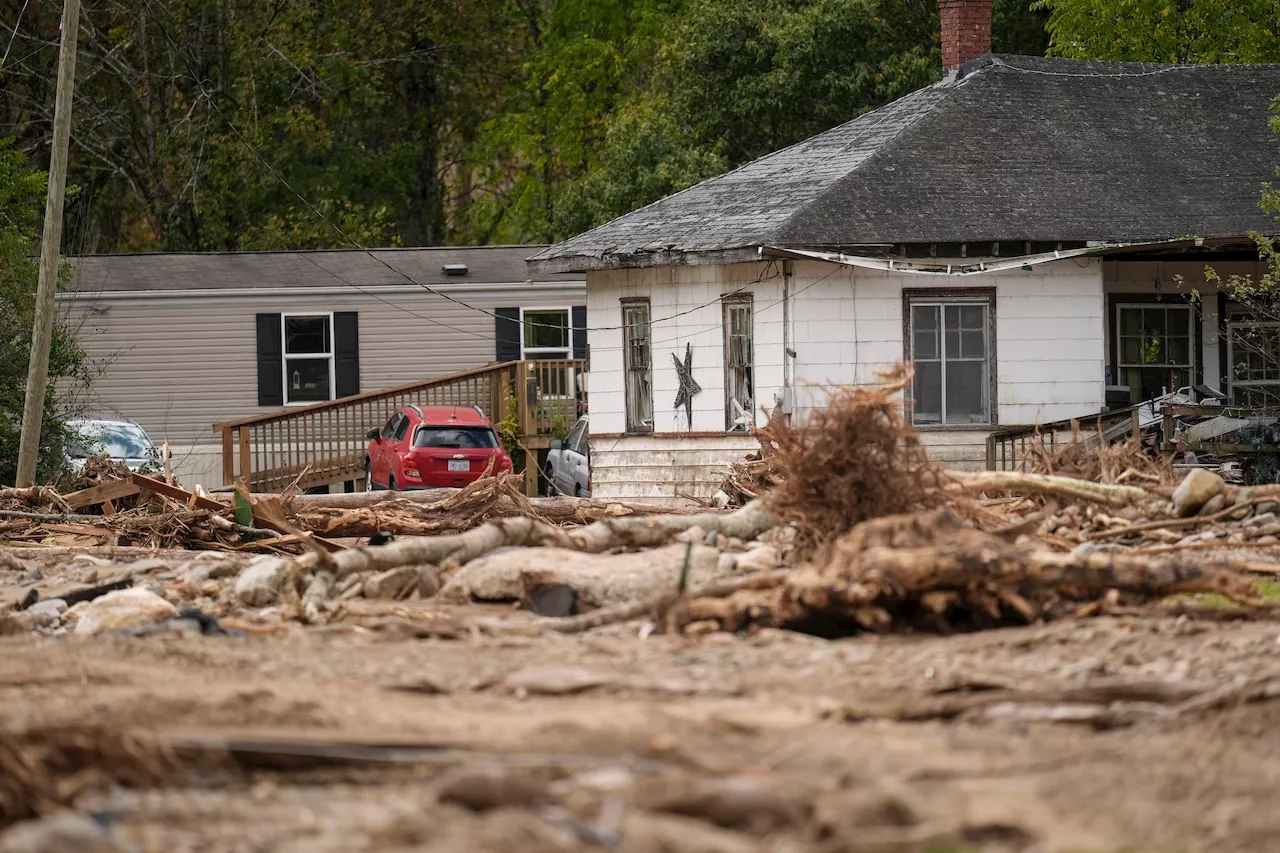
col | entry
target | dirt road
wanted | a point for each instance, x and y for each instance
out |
(778, 742)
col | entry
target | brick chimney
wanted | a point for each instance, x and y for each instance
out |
(966, 31)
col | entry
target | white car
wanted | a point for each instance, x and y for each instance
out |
(569, 464)
(119, 439)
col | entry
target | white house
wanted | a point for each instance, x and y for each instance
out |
(1027, 231)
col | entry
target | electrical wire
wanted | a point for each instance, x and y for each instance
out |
(14, 34)
(319, 215)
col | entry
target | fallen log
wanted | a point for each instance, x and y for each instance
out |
(604, 535)
(1047, 484)
(37, 495)
(561, 508)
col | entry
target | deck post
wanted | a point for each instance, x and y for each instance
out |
(246, 460)
(228, 455)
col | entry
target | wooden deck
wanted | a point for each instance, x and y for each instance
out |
(324, 443)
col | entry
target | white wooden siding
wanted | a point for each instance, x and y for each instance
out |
(847, 324)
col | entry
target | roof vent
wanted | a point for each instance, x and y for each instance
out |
(454, 269)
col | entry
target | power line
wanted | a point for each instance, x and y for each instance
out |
(319, 215)
(14, 34)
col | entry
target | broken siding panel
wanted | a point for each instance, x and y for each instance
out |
(661, 469)
(178, 364)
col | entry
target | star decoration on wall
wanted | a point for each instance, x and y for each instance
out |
(688, 387)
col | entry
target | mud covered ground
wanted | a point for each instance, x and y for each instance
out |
(344, 738)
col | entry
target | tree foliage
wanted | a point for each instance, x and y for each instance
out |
(1188, 31)
(22, 193)
(417, 122)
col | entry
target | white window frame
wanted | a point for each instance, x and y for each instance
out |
(988, 362)
(729, 303)
(1268, 386)
(284, 355)
(1122, 365)
(535, 353)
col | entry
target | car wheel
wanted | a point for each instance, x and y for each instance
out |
(368, 476)
(551, 485)
(391, 482)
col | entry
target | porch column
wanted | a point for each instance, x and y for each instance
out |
(1210, 335)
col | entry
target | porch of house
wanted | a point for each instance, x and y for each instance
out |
(324, 444)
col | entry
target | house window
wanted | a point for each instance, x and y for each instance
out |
(950, 346)
(308, 357)
(1253, 351)
(637, 365)
(546, 333)
(1156, 354)
(739, 358)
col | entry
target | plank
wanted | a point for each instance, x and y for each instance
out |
(101, 493)
(186, 498)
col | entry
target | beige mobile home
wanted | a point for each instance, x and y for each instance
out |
(180, 342)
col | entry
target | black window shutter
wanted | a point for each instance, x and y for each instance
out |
(346, 353)
(270, 361)
(506, 334)
(578, 320)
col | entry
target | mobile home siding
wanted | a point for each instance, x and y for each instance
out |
(179, 363)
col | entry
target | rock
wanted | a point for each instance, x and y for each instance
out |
(737, 802)
(428, 581)
(261, 581)
(56, 606)
(1261, 519)
(693, 534)
(1215, 504)
(44, 614)
(1196, 490)
(555, 680)
(31, 577)
(1267, 540)
(719, 500)
(61, 832)
(124, 608)
(392, 584)
(483, 788)
(203, 569)
(761, 558)
(727, 564)
(146, 567)
(11, 626)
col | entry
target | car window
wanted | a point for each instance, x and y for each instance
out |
(402, 427)
(461, 437)
(118, 441)
(576, 440)
(390, 428)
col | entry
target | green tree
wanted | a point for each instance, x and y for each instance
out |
(1187, 31)
(22, 192)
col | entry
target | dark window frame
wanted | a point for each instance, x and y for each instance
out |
(911, 295)
(1115, 300)
(730, 303)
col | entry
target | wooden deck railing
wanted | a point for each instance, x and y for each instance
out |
(1007, 449)
(325, 443)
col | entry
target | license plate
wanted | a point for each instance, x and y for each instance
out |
(459, 464)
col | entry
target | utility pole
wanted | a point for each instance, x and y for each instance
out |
(50, 248)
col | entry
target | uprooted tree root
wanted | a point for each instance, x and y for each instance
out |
(928, 571)
(1088, 456)
(854, 459)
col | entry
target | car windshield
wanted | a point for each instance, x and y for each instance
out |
(117, 441)
(463, 437)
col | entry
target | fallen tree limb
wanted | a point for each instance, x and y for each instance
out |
(603, 535)
(1048, 484)
(35, 495)
(1176, 522)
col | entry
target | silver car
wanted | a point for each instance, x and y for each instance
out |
(119, 439)
(569, 464)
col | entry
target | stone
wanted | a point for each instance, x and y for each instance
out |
(720, 499)
(1215, 504)
(61, 832)
(146, 567)
(428, 581)
(737, 802)
(200, 570)
(762, 558)
(693, 534)
(124, 608)
(555, 680)
(1267, 540)
(42, 614)
(261, 581)
(392, 584)
(56, 606)
(483, 788)
(1261, 519)
(727, 564)
(1196, 490)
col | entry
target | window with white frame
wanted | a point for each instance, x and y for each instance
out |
(308, 357)
(637, 356)
(1156, 354)
(1253, 352)
(739, 358)
(546, 333)
(950, 347)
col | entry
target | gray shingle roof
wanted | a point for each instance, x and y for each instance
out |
(1016, 149)
(242, 270)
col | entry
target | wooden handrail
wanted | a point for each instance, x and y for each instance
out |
(996, 441)
(344, 402)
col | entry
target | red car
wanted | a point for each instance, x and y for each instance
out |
(427, 447)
